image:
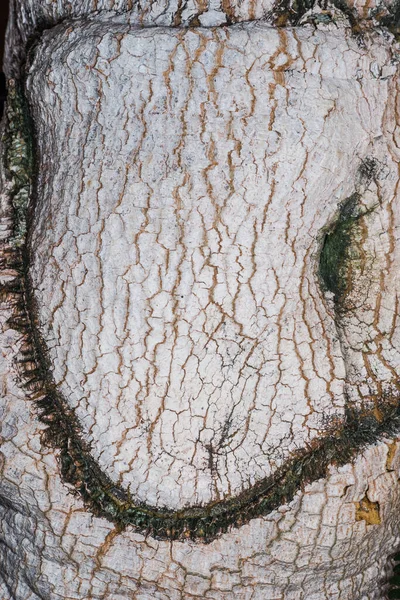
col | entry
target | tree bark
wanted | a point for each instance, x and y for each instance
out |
(199, 306)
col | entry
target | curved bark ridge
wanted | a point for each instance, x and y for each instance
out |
(30, 17)
(33, 15)
(174, 257)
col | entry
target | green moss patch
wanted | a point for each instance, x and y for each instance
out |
(18, 157)
(337, 252)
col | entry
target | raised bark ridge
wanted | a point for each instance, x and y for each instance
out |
(29, 17)
(213, 463)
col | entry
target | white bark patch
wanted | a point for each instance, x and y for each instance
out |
(187, 179)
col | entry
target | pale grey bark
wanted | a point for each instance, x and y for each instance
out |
(197, 328)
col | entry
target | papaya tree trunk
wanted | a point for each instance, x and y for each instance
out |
(199, 301)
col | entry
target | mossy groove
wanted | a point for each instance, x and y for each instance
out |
(343, 440)
(18, 158)
(337, 254)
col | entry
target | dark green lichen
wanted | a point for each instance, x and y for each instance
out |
(18, 157)
(335, 265)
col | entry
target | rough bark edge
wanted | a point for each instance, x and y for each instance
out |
(343, 440)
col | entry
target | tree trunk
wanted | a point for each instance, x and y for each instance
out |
(199, 263)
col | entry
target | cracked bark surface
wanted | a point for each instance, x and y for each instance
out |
(210, 277)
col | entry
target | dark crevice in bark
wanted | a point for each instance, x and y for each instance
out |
(4, 8)
(3, 93)
(391, 20)
(392, 588)
(3, 25)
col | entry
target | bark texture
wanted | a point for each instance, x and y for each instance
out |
(199, 315)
